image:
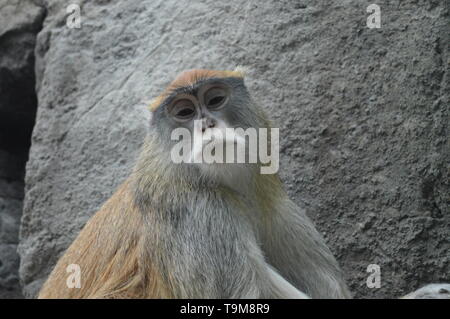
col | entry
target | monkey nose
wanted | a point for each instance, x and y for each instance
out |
(208, 123)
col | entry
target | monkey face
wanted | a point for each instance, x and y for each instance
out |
(206, 108)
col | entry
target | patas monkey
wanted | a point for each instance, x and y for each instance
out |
(196, 230)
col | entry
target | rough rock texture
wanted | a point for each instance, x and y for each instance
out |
(20, 22)
(363, 116)
(11, 196)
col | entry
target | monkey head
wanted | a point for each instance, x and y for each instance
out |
(206, 107)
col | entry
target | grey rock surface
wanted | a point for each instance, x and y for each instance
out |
(11, 196)
(363, 117)
(20, 22)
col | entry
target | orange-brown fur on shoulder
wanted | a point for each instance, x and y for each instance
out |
(108, 251)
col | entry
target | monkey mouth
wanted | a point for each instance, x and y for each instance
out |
(216, 146)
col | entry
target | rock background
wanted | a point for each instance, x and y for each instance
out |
(363, 117)
(19, 23)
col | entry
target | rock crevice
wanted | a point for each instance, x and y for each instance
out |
(19, 24)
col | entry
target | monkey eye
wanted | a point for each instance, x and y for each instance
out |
(183, 110)
(215, 97)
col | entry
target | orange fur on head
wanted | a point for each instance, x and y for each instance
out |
(190, 77)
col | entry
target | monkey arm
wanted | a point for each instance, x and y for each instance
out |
(281, 288)
(296, 249)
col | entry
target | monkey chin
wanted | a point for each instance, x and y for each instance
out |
(233, 175)
(225, 170)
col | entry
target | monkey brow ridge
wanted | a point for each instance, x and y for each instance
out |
(189, 78)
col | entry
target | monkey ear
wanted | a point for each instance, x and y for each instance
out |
(151, 105)
(154, 104)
